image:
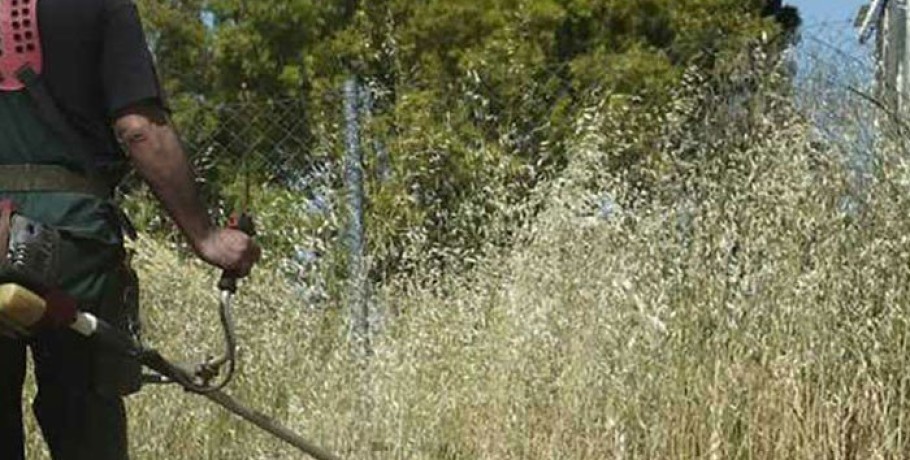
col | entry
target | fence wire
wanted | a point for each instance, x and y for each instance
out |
(295, 147)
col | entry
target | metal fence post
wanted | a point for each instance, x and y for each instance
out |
(897, 68)
(890, 19)
(358, 303)
(383, 162)
(903, 16)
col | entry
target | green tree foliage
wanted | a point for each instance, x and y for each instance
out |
(474, 99)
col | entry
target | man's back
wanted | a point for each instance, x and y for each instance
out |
(96, 65)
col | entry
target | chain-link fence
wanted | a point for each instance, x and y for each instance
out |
(305, 169)
(315, 170)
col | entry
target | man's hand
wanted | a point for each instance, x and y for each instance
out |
(158, 156)
(229, 249)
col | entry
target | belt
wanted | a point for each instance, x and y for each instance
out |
(50, 178)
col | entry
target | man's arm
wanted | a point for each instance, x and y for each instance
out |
(158, 156)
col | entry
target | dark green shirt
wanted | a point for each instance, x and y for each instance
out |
(92, 237)
(24, 138)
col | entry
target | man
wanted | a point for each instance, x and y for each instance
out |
(98, 72)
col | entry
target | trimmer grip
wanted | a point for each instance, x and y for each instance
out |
(244, 223)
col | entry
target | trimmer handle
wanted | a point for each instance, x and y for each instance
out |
(244, 223)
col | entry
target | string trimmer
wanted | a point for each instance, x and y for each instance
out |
(22, 311)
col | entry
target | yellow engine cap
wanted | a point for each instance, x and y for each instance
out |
(20, 305)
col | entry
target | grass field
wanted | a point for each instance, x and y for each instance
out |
(756, 319)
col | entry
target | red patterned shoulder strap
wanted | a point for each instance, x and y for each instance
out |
(20, 41)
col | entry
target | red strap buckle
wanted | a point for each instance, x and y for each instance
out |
(7, 208)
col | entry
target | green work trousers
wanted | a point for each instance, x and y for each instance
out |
(78, 403)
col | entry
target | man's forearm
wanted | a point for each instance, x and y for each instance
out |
(158, 156)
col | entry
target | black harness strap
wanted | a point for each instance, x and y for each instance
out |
(51, 114)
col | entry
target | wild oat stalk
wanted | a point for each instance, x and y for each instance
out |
(725, 307)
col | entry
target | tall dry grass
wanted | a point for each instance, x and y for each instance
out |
(729, 307)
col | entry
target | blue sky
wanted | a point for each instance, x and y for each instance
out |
(815, 11)
(828, 26)
(831, 59)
